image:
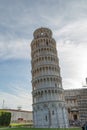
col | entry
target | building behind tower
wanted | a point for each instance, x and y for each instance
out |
(49, 109)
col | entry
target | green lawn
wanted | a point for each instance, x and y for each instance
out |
(41, 129)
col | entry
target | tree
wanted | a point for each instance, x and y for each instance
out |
(5, 118)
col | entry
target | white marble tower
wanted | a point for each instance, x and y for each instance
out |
(49, 109)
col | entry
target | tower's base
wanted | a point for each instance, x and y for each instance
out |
(50, 115)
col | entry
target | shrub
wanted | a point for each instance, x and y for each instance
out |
(5, 118)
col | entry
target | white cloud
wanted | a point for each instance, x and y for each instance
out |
(19, 97)
(75, 31)
(73, 63)
(16, 49)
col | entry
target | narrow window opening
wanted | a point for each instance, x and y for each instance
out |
(46, 118)
(52, 112)
(47, 43)
(55, 85)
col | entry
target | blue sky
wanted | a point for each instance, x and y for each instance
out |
(18, 20)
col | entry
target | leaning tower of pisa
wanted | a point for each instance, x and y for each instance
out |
(49, 109)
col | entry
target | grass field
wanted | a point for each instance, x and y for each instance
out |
(40, 129)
